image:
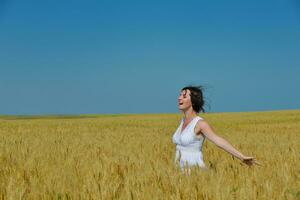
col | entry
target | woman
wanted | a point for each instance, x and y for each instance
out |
(192, 131)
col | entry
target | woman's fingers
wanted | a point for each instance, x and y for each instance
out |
(250, 161)
(257, 163)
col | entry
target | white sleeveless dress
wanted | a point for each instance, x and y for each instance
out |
(188, 146)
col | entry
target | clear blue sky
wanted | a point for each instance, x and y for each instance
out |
(80, 57)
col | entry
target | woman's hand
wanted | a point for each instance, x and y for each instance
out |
(250, 161)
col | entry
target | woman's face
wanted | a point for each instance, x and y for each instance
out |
(184, 100)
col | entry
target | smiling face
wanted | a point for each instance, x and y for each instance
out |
(184, 100)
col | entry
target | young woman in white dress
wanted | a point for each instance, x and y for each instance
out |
(193, 130)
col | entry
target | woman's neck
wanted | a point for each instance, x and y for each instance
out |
(190, 114)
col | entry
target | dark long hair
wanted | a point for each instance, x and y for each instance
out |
(197, 97)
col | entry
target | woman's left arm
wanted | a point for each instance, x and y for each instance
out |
(208, 132)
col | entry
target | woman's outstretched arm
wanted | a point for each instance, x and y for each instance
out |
(204, 128)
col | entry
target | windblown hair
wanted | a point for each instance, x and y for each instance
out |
(196, 97)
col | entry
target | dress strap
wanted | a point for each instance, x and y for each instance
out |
(196, 120)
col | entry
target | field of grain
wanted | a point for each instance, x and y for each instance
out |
(132, 157)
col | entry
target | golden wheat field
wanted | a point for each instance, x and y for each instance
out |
(132, 157)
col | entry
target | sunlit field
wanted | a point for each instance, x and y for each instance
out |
(132, 157)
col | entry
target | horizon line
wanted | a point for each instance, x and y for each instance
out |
(25, 116)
